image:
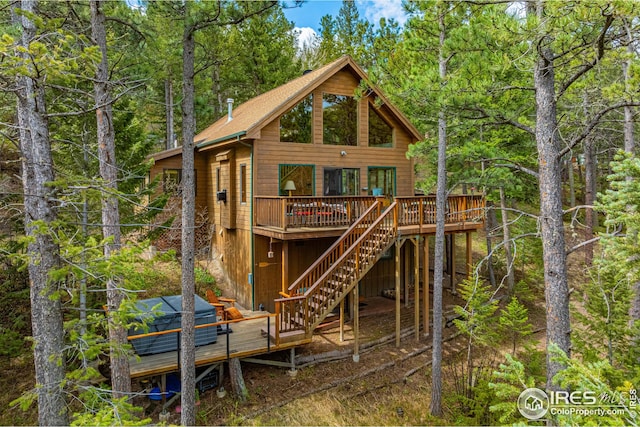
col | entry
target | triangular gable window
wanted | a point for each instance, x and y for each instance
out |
(295, 124)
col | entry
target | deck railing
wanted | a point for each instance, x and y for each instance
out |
(309, 212)
(325, 212)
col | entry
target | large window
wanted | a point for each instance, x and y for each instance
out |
(340, 119)
(296, 125)
(341, 182)
(301, 178)
(380, 132)
(382, 181)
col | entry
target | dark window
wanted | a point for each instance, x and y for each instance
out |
(341, 182)
(340, 119)
(171, 179)
(382, 181)
(295, 125)
(301, 176)
(218, 183)
(243, 183)
(380, 132)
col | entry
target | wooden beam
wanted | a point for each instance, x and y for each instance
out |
(407, 265)
(356, 323)
(416, 282)
(342, 320)
(469, 255)
(453, 263)
(285, 266)
(398, 246)
(425, 319)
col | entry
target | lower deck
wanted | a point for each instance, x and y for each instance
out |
(245, 339)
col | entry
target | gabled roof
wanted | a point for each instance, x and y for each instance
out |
(251, 116)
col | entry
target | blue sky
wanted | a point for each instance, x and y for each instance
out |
(308, 15)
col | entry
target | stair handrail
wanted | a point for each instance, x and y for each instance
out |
(313, 270)
(344, 257)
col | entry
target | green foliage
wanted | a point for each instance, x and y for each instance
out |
(511, 380)
(594, 377)
(100, 410)
(476, 317)
(203, 277)
(514, 319)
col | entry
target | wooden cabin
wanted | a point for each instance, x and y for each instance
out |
(310, 195)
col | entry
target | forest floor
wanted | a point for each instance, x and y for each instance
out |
(388, 386)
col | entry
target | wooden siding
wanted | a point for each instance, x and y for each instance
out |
(235, 248)
(175, 162)
(270, 152)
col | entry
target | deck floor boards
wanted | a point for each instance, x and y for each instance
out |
(246, 339)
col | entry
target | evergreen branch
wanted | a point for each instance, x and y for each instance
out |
(502, 120)
(599, 54)
(518, 167)
(93, 108)
(592, 124)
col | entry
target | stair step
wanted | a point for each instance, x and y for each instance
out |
(285, 337)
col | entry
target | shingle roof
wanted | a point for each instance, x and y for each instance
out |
(250, 116)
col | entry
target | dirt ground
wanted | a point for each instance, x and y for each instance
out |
(389, 385)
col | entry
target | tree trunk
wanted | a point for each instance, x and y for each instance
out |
(630, 147)
(120, 374)
(589, 197)
(168, 106)
(237, 380)
(551, 221)
(489, 225)
(441, 203)
(506, 241)
(43, 252)
(187, 344)
(572, 186)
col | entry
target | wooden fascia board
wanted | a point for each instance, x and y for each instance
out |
(165, 154)
(220, 142)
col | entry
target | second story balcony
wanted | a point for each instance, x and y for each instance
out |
(307, 217)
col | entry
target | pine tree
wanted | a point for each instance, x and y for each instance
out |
(514, 319)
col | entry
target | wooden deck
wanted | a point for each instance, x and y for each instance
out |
(246, 339)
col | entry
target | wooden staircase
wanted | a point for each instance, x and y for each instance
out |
(335, 274)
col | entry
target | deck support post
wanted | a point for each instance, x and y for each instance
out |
(407, 268)
(416, 282)
(342, 320)
(163, 389)
(285, 266)
(453, 263)
(292, 372)
(425, 319)
(398, 247)
(356, 323)
(469, 255)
